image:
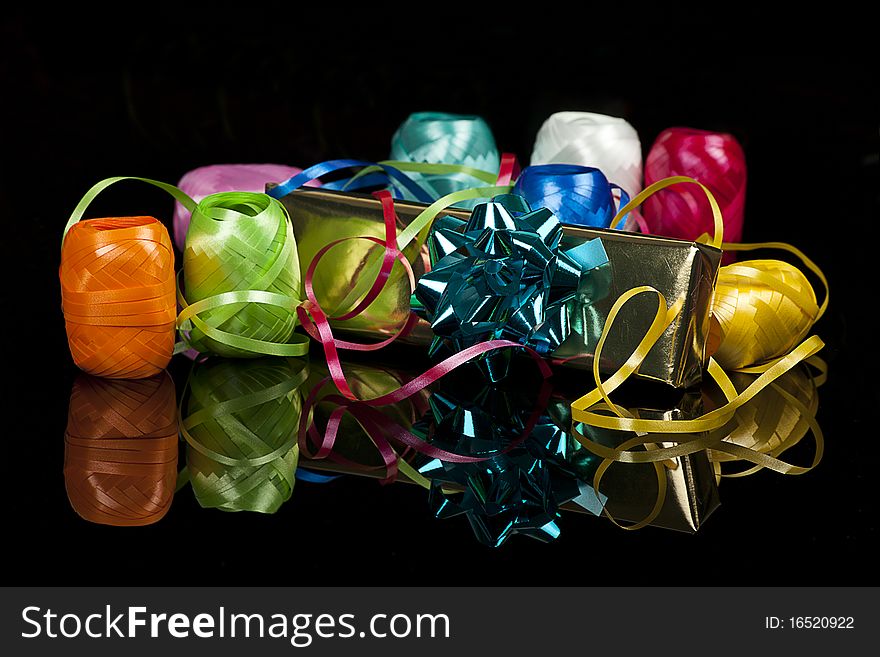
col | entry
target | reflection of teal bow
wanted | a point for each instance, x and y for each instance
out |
(519, 487)
(502, 275)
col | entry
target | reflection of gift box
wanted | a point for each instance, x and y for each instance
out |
(691, 489)
(674, 267)
(631, 489)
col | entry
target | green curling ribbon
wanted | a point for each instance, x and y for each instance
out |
(240, 425)
(242, 280)
(241, 271)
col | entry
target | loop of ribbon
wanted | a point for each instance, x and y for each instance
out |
(692, 435)
(243, 241)
(317, 324)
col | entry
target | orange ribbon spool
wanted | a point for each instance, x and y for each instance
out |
(118, 296)
(120, 449)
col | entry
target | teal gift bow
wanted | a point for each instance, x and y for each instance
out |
(503, 275)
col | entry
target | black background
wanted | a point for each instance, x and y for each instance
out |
(157, 94)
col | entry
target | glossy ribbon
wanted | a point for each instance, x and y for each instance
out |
(242, 279)
(352, 418)
(716, 160)
(763, 308)
(707, 431)
(607, 143)
(117, 293)
(317, 324)
(503, 276)
(240, 425)
(441, 138)
(577, 195)
(120, 449)
(777, 419)
(241, 270)
(207, 180)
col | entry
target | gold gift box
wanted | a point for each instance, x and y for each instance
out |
(676, 268)
(691, 492)
(631, 489)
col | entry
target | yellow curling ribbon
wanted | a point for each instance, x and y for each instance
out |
(414, 475)
(773, 414)
(765, 298)
(659, 468)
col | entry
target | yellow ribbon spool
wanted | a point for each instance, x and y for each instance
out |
(762, 311)
(776, 420)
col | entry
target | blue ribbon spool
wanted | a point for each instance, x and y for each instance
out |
(577, 195)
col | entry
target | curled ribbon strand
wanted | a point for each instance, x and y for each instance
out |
(707, 431)
(257, 317)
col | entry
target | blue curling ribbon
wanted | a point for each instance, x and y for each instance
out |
(314, 477)
(517, 491)
(503, 275)
(322, 169)
(577, 195)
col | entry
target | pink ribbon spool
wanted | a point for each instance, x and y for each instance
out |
(203, 181)
(714, 159)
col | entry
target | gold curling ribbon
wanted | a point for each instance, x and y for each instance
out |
(765, 298)
(779, 419)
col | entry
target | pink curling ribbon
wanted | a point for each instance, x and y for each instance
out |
(201, 182)
(712, 158)
(379, 427)
(509, 169)
(317, 324)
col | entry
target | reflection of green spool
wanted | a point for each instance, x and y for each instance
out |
(240, 425)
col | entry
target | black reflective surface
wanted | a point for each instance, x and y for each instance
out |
(148, 99)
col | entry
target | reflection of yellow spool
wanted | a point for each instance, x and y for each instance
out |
(763, 309)
(776, 419)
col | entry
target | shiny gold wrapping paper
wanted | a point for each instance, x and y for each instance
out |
(691, 490)
(674, 267)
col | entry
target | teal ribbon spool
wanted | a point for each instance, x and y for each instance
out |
(441, 138)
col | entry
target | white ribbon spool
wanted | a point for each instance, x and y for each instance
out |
(607, 143)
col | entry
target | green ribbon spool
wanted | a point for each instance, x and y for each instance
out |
(240, 424)
(241, 271)
(242, 280)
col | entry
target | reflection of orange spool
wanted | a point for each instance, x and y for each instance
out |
(120, 456)
(118, 295)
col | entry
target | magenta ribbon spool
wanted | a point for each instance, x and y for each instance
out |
(712, 158)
